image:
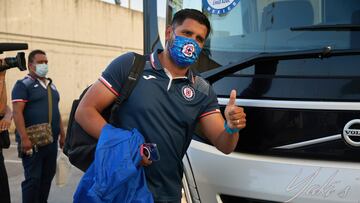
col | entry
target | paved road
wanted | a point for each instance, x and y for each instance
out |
(16, 176)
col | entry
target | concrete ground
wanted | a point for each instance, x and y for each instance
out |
(16, 176)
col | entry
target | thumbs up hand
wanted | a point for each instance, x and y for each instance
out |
(234, 115)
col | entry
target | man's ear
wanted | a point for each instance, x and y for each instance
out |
(168, 32)
(31, 66)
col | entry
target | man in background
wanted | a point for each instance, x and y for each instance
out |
(30, 104)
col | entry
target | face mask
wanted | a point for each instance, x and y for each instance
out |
(184, 51)
(41, 70)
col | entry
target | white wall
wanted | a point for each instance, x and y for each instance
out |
(80, 38)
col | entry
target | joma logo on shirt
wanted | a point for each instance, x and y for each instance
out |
(149, 77)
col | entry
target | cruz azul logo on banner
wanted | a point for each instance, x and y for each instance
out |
(219, 6)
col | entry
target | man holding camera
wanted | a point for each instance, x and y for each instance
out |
(36, 103)
(5, 121)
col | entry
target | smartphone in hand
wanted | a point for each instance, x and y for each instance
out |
(150, 151)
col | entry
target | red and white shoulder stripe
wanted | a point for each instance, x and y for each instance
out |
(19, 100)
(108, 85)
(209, 113)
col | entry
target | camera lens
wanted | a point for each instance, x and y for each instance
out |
(18, 61)
(11, 62)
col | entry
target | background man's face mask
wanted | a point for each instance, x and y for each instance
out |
(184, 51)
(41, 70)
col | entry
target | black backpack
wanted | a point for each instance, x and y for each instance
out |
(79, 145)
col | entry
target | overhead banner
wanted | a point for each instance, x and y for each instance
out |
(219, 6)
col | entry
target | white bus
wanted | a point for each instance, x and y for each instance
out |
(295, 65)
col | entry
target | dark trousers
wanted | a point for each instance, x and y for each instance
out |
(4, 183)
(39, 170)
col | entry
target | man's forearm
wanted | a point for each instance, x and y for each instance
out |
(3, 96)
(226, 142)
(2, 86)
(20, 125)
(8, 113)
(62, 132)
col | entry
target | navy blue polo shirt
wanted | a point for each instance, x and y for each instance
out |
(30, 91)
(165, 111)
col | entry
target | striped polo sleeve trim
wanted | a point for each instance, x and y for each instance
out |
(108, 85)
(209, 113)
(19, 100)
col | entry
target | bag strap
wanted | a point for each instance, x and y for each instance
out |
(136, 70)
(49, 100)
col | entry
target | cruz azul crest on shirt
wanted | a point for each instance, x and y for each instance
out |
(188, 92)
(188, 50)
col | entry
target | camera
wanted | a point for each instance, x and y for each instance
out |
(11, 62)
(150, 151)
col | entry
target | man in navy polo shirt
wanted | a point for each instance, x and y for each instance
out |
(166, 104)
(30, 107)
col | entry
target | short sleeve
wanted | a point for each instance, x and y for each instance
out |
(115, 75)
(211, 104)
(19, 93)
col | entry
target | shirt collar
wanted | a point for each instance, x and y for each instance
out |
(29, 76)
(43, 84)
(156, 65)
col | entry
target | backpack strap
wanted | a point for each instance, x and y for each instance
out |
(136, 71)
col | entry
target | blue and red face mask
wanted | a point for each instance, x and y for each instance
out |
(184, 51)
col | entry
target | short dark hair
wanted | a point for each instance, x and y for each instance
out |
(33, 53)
(194, 14)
